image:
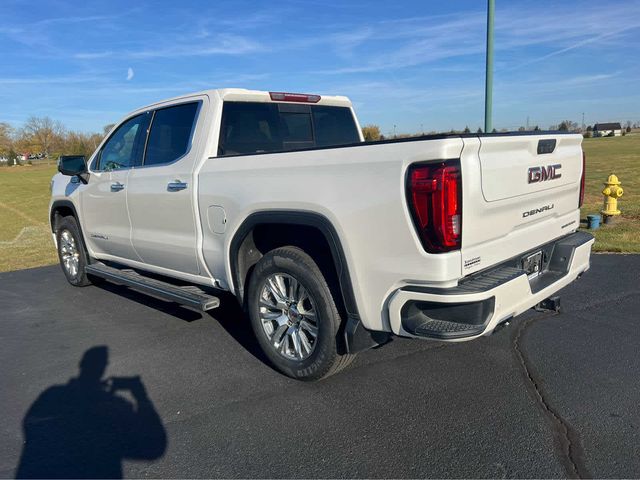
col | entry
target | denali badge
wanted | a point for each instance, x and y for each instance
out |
(537, 210)
(471, 262)
(542, 174)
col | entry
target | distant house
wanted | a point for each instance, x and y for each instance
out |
(604, 129)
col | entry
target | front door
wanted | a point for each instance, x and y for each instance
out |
(161, 192)
(104, 199)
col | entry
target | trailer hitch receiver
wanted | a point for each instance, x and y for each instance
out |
(551, 304)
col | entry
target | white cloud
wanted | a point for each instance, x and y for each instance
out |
(409, 42)
(129, 73)
(222, 44)
(93, 55)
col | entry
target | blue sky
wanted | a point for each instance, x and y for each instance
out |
(415, 64)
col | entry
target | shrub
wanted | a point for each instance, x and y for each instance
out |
(371, 133)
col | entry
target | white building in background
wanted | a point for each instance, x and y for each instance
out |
(604, 129)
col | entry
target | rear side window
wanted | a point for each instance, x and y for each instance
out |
(253, 127)
(249, 128)
(170, 135)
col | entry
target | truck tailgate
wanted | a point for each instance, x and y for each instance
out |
(518, 192)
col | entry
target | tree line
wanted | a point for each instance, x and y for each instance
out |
(45, 137)
(372, 132)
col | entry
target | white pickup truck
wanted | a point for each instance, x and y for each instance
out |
(332, 245)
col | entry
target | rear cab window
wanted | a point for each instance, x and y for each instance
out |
(256, 127)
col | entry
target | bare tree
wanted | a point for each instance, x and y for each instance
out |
(6, 140)
(78, 143)
(107, 128)
(568, 126)
(42, 134)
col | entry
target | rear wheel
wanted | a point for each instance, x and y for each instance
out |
(72, 252)
(294, 315)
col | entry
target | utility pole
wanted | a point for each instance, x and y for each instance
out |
(583, 121)
(488, 91)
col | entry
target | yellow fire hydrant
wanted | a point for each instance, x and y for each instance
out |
(612, 192)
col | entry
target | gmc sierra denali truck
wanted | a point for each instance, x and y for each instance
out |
(330, 244)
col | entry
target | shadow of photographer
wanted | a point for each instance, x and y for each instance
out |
(84, 429)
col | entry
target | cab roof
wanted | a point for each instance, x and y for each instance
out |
(244, 95)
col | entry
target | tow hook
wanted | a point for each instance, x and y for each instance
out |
(551, 304)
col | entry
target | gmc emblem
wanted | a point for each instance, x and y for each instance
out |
(542, 174)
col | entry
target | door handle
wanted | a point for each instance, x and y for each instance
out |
(116, 187)
(176, 186)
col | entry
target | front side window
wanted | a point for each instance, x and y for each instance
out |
(125, 147)
(170, 135)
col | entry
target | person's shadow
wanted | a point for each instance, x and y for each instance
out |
(84, 429)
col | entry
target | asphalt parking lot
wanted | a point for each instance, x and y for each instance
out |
(549, 396)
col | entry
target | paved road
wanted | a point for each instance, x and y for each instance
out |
(549, 396)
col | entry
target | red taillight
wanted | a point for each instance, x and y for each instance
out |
(435, 198)
(294, 97)
(584, 171)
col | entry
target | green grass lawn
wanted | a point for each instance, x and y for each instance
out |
(621, 156)
(25, 240)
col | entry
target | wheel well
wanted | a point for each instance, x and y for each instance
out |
(313, 233)
(58, 212)
(263, 238)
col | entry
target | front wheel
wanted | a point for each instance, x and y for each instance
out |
(71, 252)
(294, 315)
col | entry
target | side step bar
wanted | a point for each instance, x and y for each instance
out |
(189, 296)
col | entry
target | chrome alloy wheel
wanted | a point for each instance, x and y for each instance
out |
(69, 253)
(288, 316)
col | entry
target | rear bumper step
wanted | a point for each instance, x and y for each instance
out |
(481, 302)
(447, 320)
(189, 296)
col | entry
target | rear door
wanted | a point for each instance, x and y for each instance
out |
(518, 192)
(162, 191)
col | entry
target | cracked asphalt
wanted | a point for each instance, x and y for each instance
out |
(552, 395)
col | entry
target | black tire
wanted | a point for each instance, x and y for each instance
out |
(69, 226)
(324, 359)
